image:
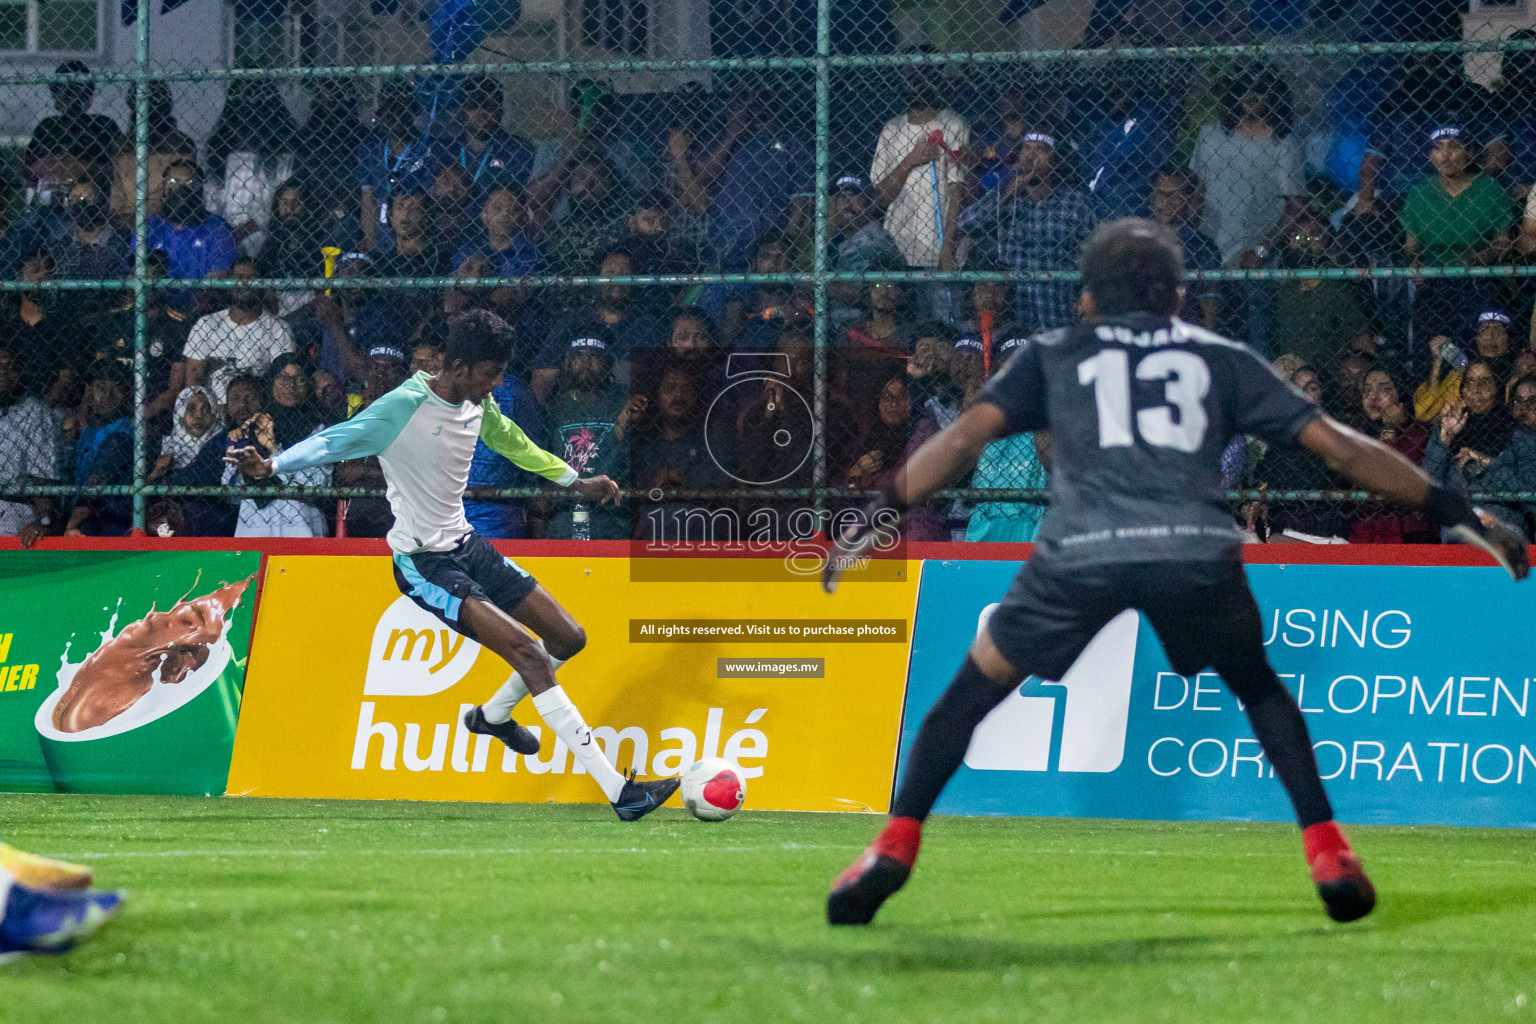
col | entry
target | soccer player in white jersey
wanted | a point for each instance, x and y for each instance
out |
(424, 433)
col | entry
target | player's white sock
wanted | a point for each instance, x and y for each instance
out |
(561, 715)
(499, 708)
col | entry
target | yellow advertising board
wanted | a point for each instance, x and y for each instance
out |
(353, 691)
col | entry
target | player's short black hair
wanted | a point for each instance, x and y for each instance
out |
(477, 336)
(1133, 265)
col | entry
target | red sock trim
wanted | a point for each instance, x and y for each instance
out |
(900, 840)
(1324, 837)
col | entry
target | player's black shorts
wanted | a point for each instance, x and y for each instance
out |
(441, 581)
(1203, 613)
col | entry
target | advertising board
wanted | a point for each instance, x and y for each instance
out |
(122, 672)
(1415, 683)
(357, 692)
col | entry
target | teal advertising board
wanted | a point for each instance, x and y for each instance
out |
(122, 672)
(1415, 682)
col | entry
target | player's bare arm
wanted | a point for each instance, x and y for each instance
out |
(1383, 471)
(600, 489)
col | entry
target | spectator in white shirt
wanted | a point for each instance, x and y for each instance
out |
(29, 453)
(919, 176)
(249, 153)
(242, 338)
(1250, 168)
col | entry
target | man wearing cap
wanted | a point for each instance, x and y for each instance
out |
(1456, 217)
(1034, 224)
(608, 311)
(967, 367)
(1492, 341)
(856, 241)
(357, 320)
(588, 421)
(387, 368)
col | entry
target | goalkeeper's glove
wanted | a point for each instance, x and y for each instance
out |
(854, 541)
(1473, 526)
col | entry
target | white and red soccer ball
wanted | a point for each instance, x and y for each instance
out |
(713, 789)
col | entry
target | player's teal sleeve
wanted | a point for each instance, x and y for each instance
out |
(368, 433)
(507, 439)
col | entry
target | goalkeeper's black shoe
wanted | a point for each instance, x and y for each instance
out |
(880, 871)
(509, 732)
(637, 799)
(1345, 889)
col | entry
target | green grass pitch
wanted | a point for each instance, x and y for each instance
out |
(311, 911)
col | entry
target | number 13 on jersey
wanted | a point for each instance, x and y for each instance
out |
(1187, 380)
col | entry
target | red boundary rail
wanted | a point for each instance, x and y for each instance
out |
(1258, 554)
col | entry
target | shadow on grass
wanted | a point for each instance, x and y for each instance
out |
(910, 950)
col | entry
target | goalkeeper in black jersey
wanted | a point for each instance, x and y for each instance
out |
(1140, 406)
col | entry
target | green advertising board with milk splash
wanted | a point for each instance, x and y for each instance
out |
(122, 672)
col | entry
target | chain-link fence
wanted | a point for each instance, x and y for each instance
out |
(752, 254)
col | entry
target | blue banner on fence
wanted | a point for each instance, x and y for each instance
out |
(1415, 683)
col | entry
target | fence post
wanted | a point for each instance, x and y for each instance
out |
(140, 258)
(823, 311)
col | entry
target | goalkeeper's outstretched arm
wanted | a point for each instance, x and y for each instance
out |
(1380, 470)
(940, 461)
(948, 455)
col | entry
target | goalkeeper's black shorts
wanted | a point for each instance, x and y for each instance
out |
(1203, 613)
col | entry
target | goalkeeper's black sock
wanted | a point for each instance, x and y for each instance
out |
(1282, 732)
(941, 742)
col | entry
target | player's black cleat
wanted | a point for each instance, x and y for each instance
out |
(509, 732)
(638, 799)
(881, 869)
(861, 890)
(1348, 898)
(1346, 891)
(1341, 881)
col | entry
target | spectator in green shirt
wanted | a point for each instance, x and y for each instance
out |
(1456, 218)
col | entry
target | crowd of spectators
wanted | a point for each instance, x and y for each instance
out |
(1398, 162)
